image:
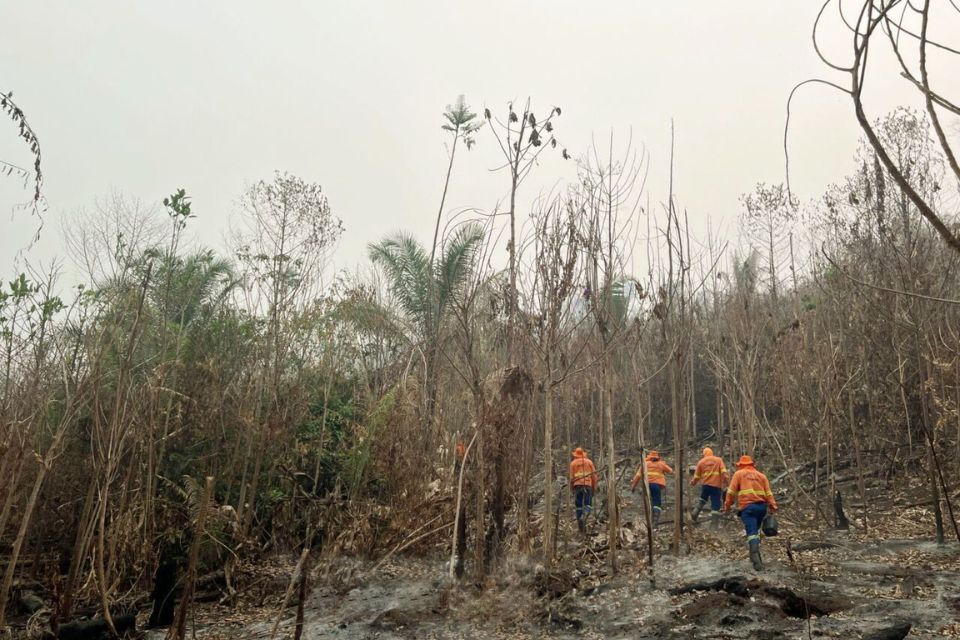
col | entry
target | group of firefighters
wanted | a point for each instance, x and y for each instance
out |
(748, 491)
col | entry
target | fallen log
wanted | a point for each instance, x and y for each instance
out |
(213, 579)
(737, 585)
(207, 596)
(97, 628)
(796, 469)
(850, 478)
(814, 545)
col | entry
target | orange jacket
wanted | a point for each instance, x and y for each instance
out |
(711, 472)
(582, 472)
(655, 473)
(749, 486)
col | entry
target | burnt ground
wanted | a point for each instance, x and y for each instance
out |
(878, 580)
(861, 589)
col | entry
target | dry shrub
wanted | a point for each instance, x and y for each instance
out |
(351, 528)
(410, 490)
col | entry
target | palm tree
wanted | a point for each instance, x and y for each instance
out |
(189, 288)
(424, 291)
(462, 125)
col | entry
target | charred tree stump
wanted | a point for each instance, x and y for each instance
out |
(461, 540)
(841, 518)
(163, 595)
(97, 628)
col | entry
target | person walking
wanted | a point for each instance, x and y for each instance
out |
(460, 453)
(751, 490)
(656, 482)
(712, 475)
(583, 482)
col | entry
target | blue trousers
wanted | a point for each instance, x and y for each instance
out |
(752, 516)
(583, 498)
(656, 496)
(713, 494)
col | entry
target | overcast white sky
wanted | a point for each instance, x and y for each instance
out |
(145, 97)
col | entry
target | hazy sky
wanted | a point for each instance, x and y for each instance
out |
(145, 97)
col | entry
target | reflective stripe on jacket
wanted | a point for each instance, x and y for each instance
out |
(749, 486)
(655, 473)
(711, 472)
(583, 473)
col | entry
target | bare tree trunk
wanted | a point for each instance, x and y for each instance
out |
(13, 484)
(935, 493)
(149, 489)
(692, 414)
(676, 404)
(831, 467)
(861, 485)
(457, 547)
(548, 524)
(86, 525)
(18, 543)
(480, 565)
(647, 508)
(721, 442)
(931, 454)
(523, 495)
(298, 577)
(254, 484)
(179, 629)
(53, 451)
(903, 398)
(613, 516)
(101, 550)
(302, 598)
(956, 401)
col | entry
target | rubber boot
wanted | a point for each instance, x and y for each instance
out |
(581, 525)
(755, 555)
(714, 520)
(656, 518)
(697, 509)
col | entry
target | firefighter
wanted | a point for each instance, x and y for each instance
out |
(711, 473)
(461, 452)
(751, 490)
(583, 482)
(656, 482)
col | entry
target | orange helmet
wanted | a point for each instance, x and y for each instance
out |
(653, 455)
(579, 453)
(707, 451)
(745, 461)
